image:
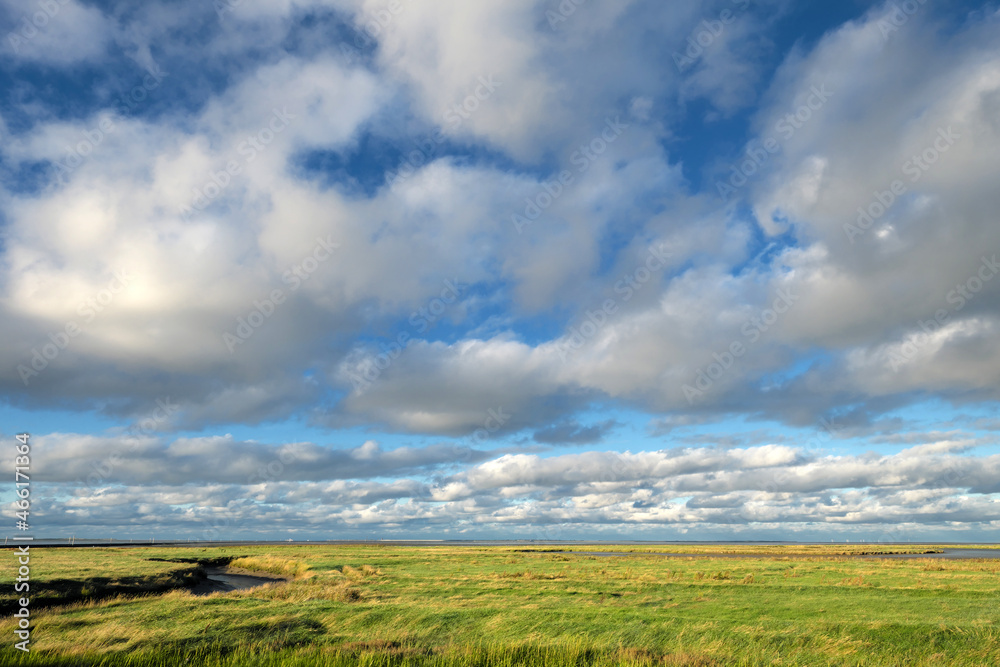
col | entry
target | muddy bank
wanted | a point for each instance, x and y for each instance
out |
(61, 592)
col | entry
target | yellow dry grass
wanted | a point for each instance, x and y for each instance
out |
(285, 567)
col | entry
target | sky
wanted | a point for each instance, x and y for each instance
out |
(504, 269)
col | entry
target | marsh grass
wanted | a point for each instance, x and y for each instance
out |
(371, 605)
(61, 576)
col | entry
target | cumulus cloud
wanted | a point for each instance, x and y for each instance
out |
(933, 338)
(97, 462)
(926, 487)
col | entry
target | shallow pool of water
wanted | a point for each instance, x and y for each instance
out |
(222, 580)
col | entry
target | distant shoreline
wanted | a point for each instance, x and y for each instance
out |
(861, 549)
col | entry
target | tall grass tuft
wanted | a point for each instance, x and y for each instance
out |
(285, 567)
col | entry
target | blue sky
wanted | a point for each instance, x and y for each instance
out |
(619, 270)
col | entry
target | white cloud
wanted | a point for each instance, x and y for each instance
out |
(928, 486)
(58, 33)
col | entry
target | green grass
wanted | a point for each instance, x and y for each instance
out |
(59, 576)
(373, 605)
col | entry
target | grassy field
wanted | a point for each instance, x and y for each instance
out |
(372, 605)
